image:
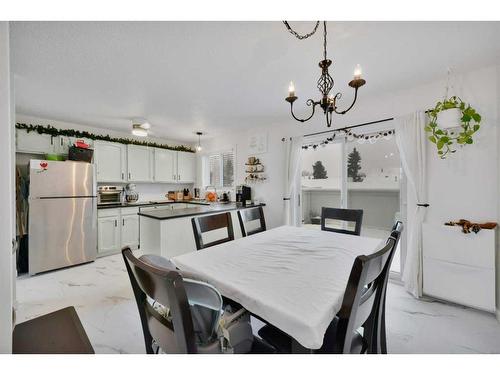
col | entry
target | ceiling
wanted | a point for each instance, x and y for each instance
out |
(222, 76)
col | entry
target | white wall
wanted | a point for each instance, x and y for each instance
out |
(146, 191)
(22, 118)
(467, 185)
(6, 194)
(498, 200)
(270, 191)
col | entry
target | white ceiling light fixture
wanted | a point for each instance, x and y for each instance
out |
(198, 147)
(140, 128)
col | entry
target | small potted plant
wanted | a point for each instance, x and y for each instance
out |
(445, 117)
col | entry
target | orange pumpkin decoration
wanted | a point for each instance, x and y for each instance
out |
(211, 196)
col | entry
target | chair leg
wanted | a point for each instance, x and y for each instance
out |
(383, 339)
(370, 335)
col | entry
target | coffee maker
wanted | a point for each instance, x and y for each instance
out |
(243, 194)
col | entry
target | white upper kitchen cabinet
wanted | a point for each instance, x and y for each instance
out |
(110, 158)
(165, 165)
(140, 163)
(34, 143)
(186, 167)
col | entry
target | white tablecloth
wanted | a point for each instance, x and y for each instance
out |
(294, 278)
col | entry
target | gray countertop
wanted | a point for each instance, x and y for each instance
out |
(165, 214)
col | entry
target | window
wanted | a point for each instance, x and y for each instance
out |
(220, 169)
(359, 175)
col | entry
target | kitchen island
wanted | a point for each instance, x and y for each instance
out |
(169, 233)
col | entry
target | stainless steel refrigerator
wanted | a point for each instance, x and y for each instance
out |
(62, 214)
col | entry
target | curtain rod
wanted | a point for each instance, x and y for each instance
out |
(350, 127)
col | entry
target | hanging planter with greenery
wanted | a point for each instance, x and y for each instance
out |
(444, 135)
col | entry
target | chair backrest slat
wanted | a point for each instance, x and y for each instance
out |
(167, 288)
(204, 224)
(251, 214)
(362, 294)
(342, 214)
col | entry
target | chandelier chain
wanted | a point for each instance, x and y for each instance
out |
(297, 35)
(324, 40)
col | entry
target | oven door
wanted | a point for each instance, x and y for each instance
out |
(109, 197)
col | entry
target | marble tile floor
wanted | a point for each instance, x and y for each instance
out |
(102, 296)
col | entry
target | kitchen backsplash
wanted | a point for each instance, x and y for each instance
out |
(156, 191)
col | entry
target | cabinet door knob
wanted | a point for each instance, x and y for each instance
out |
(123, 222)
(123, 176)
(116, 223)
(129, 175)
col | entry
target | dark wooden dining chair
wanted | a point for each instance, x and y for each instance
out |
(180, 314)
(204, 224)
(248, 215)
(380, 334)
(342, 214)
(360, 308)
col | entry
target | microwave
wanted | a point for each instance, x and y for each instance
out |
(109, 194)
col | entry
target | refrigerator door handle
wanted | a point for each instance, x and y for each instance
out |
(15, 245)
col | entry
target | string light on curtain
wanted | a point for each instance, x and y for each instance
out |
(351, 136)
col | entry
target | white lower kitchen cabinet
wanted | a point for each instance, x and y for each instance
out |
(173, 237)
(111, 161)
(130, 227)
(108, 231)
(117, 228)
(459, 267)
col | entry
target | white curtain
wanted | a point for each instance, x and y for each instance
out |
(293, 215)
(411, 142)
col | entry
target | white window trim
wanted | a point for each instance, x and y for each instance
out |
(206, 167)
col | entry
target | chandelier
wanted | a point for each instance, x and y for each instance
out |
(328, 101)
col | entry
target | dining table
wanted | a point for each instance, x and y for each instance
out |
(293, 278)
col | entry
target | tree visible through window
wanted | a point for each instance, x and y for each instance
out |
(319, 171)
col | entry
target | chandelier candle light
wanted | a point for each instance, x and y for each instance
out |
(328, 102)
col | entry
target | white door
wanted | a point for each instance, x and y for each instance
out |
(108, 234)
(186, 167)
(130, 231)
(139, 163)
(110, 160)
(165, 165)
(34, 143)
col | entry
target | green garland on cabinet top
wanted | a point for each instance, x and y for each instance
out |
(54, 132)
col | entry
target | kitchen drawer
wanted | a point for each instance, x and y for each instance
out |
(470, 286)
(129, 210)
(450, 244)
(107, 212)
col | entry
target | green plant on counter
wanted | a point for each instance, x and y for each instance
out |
(445, 139)
(54, 132)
